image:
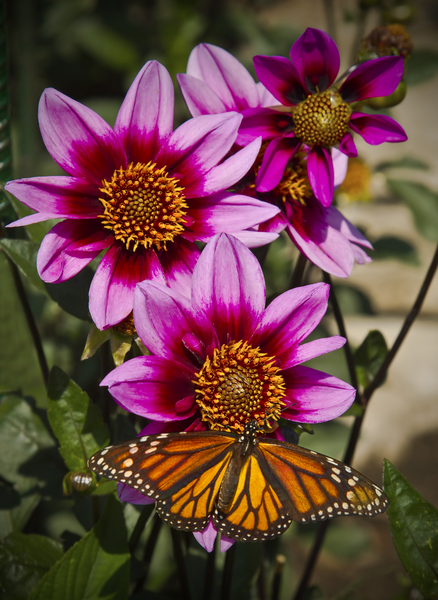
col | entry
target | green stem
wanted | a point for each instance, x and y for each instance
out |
(180, 563)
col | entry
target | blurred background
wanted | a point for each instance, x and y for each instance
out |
(91, 50)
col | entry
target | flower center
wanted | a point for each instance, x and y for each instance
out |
(322, 119)
(294, 184)
(143, 205)
(239, 384)
(126, 326)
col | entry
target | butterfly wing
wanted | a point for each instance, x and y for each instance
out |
(160, 466)
(317, 486)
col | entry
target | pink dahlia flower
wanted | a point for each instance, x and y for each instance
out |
(221, 359)
(216, 82)
(140, 191)
(315, 112)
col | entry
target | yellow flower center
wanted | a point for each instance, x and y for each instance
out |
(322, 119)
(239, 384)
(126, 326)
(294, 184)
(143, 206)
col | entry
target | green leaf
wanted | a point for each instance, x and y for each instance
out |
(414, 529)
(407, 162)
(352, 300)
(24, 559)
(72, 295)
(369, 357)
(95, 567)
(423, 204)
(25, 445)
(389, 246)
(422, 65)
(75, 420)
(23, 253)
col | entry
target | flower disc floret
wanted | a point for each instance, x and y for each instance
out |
(322, 119)
(143, 206)
(294, 184)
(239, 384)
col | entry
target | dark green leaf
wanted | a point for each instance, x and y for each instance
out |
(104, 486)
(75, 420)
(352, 300)
(422, 65)
(407, 162)
(95, 567)
(24, 559)
(72, 295)
(423, 203)
(414, 528)
(23, 253)
(369, 357)
(390, 246)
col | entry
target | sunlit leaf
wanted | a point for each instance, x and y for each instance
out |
(95, 567)
(369, 357)
(389, 246)
(24, 559)
(407, 162)
(423, 204)
(353, 300)
(414, 528)
(75, 420)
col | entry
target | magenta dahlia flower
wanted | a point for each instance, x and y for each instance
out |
(316, 113)
(221, 359)
(216, 82)
(139, 191)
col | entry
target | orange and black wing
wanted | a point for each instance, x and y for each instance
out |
(163, 466)
(318, 487)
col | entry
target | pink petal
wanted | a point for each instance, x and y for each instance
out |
(281, 78)
(58, 196)
(337, 220)
(228, 284)
(128, 494)
(266, 99)
(198, 145)
(315, 397)
(263, 122)
(145, 119)
(207, 537)
(376, 129)
(69, 247)
(163, 317)
(199, 97)
(80, 141)
(313, 349)
(228, 213)
(289, 319)
(340, 166)
(178, 263)
(373, 78)
(320, 173)
(347, 145)
(278, 153)
(316, 58)
(225, 75)
(112, 289)
(255, 239)
(226, 543)
(227, 173)
(150, 386)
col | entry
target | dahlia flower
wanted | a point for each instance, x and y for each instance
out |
(316, 113)
(139, 191)
(221, 359)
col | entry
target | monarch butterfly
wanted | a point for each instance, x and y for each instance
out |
(251, 487)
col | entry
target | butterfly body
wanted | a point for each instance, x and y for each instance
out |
(251, 487)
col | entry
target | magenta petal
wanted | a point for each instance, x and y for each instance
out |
(376, 129)
(316, 57)
(178, 263)
(145, 119)
(314, 397)
(263, 122)
(347, 145)
(255, 239)
(69, 247)
(128, 494)
(80, 141)
(150, 386)
(340, 166)
(225, 75)
(373, 78)
(199, 97)
(58, 196)
(228, 285)
(281, 78)
(278, 153)
(337, 220)
(226, 543)
(227, 173)
(112, 289)
(207, 537)
(313, 349)
(320, 173)
(289, 319)
(228, 213)
(163, 317)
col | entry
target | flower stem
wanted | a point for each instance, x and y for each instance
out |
(209, 574)
(297, 275)
(139, 527)
(148, 552)
(179, 559)
(228, 572)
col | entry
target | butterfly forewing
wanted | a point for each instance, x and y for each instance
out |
(320, 487)
(160, 465)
